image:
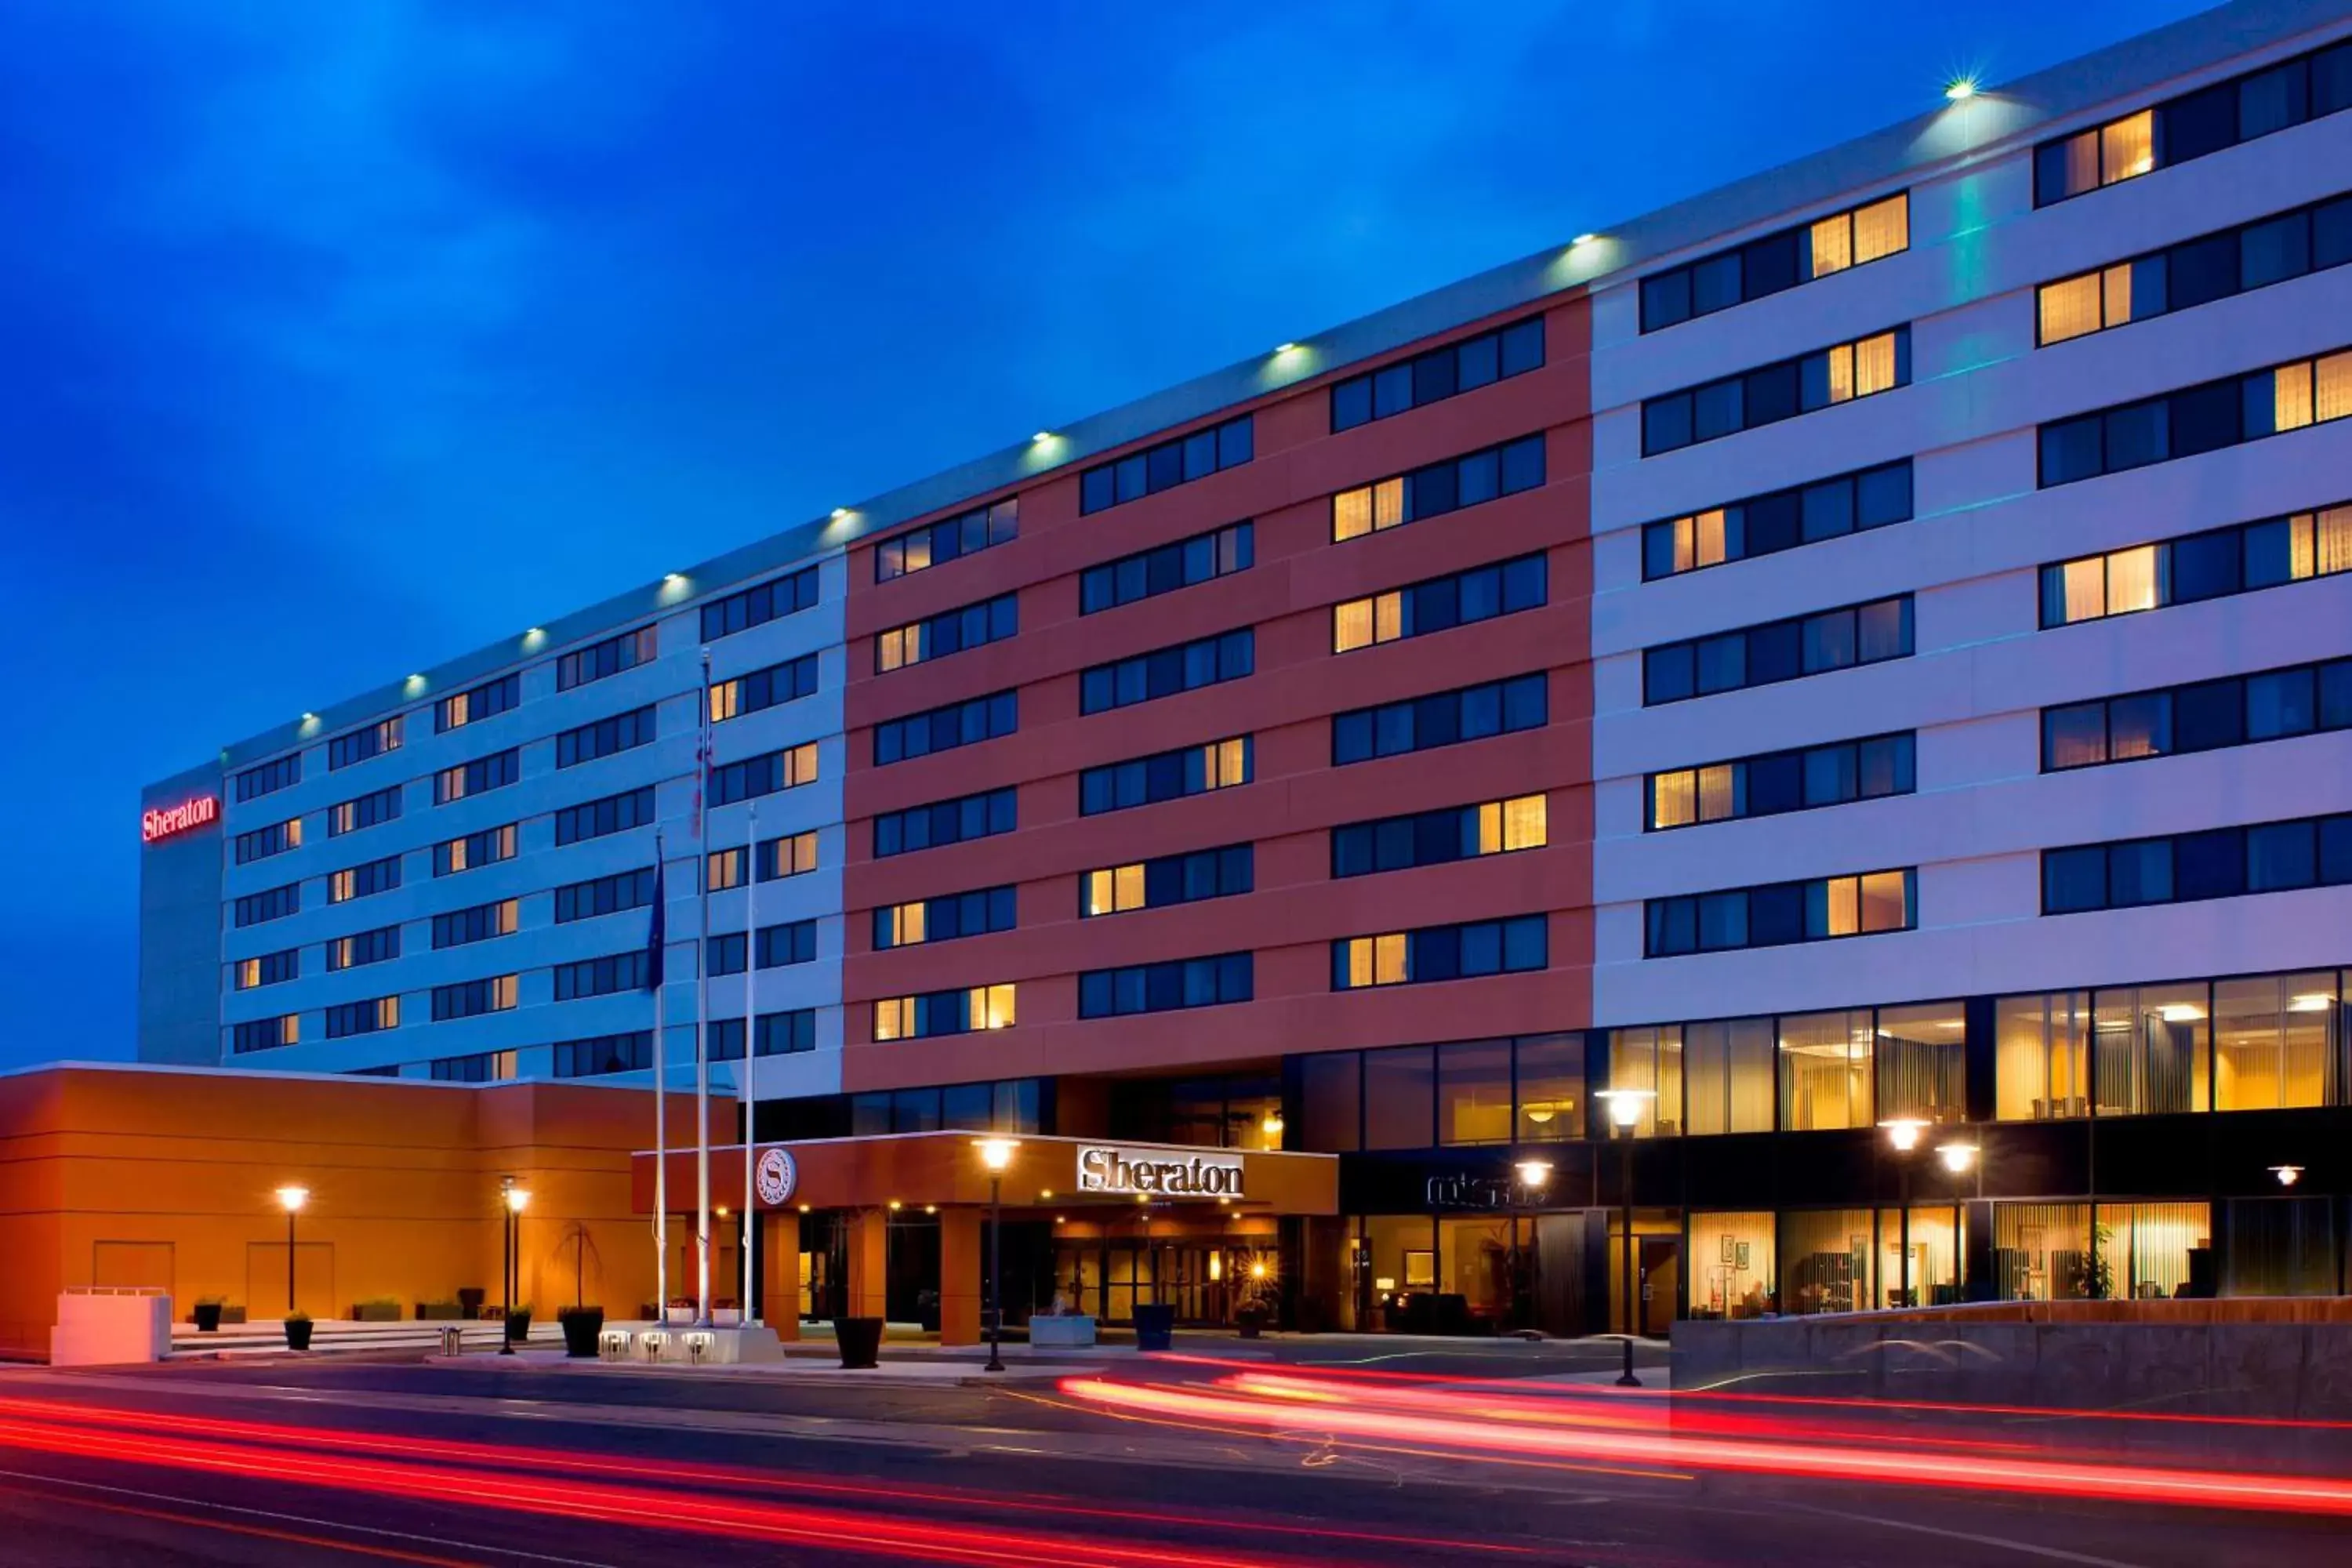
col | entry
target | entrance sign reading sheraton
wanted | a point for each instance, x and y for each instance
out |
(194, 812)
(1114, 1169)
(777, 1176)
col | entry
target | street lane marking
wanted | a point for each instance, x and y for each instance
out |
(2054, 1552)
(297, 1519)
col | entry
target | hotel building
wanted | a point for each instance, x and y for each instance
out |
(1862, 647)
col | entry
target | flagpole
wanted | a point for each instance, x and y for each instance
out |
(750, 1043)
(661, 1116)
(702, 1013)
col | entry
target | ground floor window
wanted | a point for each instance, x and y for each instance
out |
(1731, 1270)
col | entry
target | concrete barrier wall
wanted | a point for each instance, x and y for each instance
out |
(2278, 1371)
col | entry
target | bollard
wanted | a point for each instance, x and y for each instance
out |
(452, 1341)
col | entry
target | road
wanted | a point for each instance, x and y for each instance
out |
(1335, 1452)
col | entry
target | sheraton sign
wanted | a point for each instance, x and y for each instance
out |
(195, 812)
(1151, 1171)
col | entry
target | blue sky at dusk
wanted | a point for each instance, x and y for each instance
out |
(341, 337)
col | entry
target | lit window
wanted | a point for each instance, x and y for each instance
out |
(1227, 763)
(1886, 903)
(2127, 148)
(1845, 911)
(1116, 889)
(1376, 961)
(893, 1017)
(1368, 510)
(723, 869)
(905, 924)
(2131, 581)
(1361, 622)
(248, 974)
(800, 765)
(1515, 823)
(1674, 801)
(726, 700)
(339, 887)
(2331, 534)
(2291, 396)
(1715, 793)
(2071, 309)
(991, 1007)
(1841, 366)
(898, 648)
(1832, 244)
(795, 856)
(1881, 228)
(1874, 364)
(2334, 399)
(2085, 589)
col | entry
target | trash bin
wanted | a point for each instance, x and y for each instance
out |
(453, 1339)
(860, 1339)
(1155, 1327)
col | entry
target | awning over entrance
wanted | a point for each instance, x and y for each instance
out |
(945, 1169)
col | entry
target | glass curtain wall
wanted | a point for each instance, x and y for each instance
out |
(1825, 1070)
(1938, 1243)
(2144, 1248)
(1826, 1257)
(2041, 1252)
(2151, 1049)
(2276, 1043)
(1650, 1062)
(2041, 1057)
(1922, 1063)
(1731, 1269)
(1550, 1071)
(1727, 1076)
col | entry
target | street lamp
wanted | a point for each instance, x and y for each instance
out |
(1903, 1132)
(516, 1200)
(2287, 1174)
(291, 1199)
(996, 1153)
(1625, 1108)
(1534, 1175)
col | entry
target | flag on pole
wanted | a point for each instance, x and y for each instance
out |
(657, 933)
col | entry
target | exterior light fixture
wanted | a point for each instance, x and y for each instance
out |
(895, 1206)
(1043, 436)
(1960, 89)
(1045, 1191)
(928, 1209)
(721, 1211)
(839, 513)
(1625, 1105)
(805, 1208)
(291, 1199)
(1956, 1157)
(518, 1199)
(1903, 1131)
(996, 1153)
(1286, 348)
(2287, 1174)
(1534, 1172)
(1060, 1220)
(1257, 1267)
(1584, 239)
(309, 717)
(1272, 1126)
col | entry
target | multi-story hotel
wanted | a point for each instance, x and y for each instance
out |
(1858, 656)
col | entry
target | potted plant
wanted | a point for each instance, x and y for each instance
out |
(381, 1310)
(1155, 1326)
(436, 1311)
(298, 1331)
(208, 1314)
(582, 1327)
(519, 1323)
(860, 1339)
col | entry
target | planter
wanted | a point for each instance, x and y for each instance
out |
(470, 1299)
(582, 1328)
(519, 1325)
(438, 1312)
(860, 1339)
(208, 1317)
(1073, 1332)
(297, 1333)
(375, 1312)
(1155, 1327)
(232, 1314)
(1252, 1320)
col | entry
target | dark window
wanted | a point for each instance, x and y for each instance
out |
(604, 737)
(763, 689)
(1166, 775)
(269, 969)
(2195, 419)
(1438, 374)
(1153, 884)
(1163, 467)
(264, 842)
(1764, 266)
(758, 604)
(945, 822)
(775, 1034)
(362, 1018)
(1440, 719)
(482, 702)
(610, 658)
(365, 882)
(2218, 863)
(1165, 672)
(1165, 987)
(601, 1053)
(482, 775)
(1466, 951)
(1778, 650)
(781, 945)
(1823, 909)
(1166, 569)
(788, 767)
(604, 896)
(363, 948)
(1440, 604)
(937, 543)
(470, 998)
(367, 811)
(357, 746)
(270, 777)
(457, 928)
(597, 819)
(1819, 380)
(601, 976)
(945, 729)
(263, 1034)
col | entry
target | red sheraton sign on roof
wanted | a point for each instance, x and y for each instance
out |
(194, 812)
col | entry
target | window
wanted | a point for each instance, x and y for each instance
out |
(362, 1018)
(1778, 261)
(950, 631)
(1767, 524)
(604, 737)
(1439, 373)
(2151, 1049)
(360, 744)
(794, 855)
(943, 729)
(2211, 266)
(757, 606)
(602, 976)
(1921, 1064)
(2278, 1042)
(1439, 488)
(1801, 780)
(788, 942)
(597, 819)
(1841, 374)
(1776, 651)
(276, 903)
(943, 1013)
(1436, 837)
(604, 896)
(269, 969)
(1150, 573)
(944, 822)
(367, 811)
(474, 851)
(601, 660)
(270, 777)
(2234, 711)
(1167, 671)
(1168, 879)
(484, 701)
(1825, 1071)
(936, 544)
(2194, 124)
(455, 928)
(600, 1054)
(1441, 952)
(363, 948)
(275, 839)
(481, 1067)
(723, 869)
(2204, 418)
(765, 774)
(774, 1035)
(1781, 913)
(1166, 465)
(1649, 1062)
(1730, 1074)
(2223, 561)
(265, 1034)
(1166, 775)
(469, 779)
(470, 998)
(2218, 863)
(365, 881)
(1440, 604)
(2041, 1057)
(1165, 987)
(943, 919)
(1440, 719)
(763, 689)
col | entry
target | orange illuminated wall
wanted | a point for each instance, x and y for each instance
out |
(1296, 908)
(167, 1177)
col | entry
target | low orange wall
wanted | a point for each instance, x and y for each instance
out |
(126, 1175)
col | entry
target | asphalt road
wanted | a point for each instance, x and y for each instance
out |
(338, 1462)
